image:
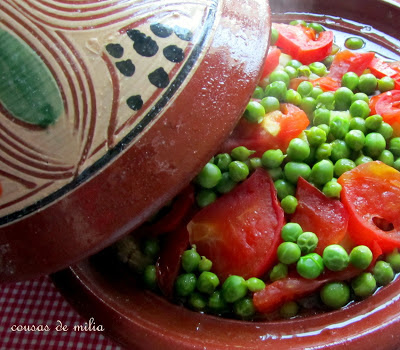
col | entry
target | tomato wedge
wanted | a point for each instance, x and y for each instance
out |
(275, 131)
(387, 105)
(240, 231)
(302, 43)
(327, 83)
(348, 61)
(271, 61)
(324, 216)
(380, 69)
(371, 195)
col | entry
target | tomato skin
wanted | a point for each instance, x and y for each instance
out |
(271, 62)
(275, 131)
(348, 61)
(327, 83)
(387, 104)
(326, 217)
(240, 231)
(380, 69)
(372, 190)
(301, 43)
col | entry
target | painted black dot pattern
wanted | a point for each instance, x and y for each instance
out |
(161, 30)
(115, 50)
(159, 78)
(173, 53)
(135, 102)
(148, 47)
(144, 45)
(126, 67)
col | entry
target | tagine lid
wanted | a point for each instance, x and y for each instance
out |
(107, 110)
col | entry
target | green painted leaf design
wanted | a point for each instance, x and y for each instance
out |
(28, 90)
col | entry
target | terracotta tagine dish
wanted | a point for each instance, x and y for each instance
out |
(141, 319)
(107, 109)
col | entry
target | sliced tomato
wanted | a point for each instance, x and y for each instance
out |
(348, 61)
(327, 83)
(302, 43)
(324, 216)
(271, 62)
(240, 231)
(169, 262)
(387, 105)
(371, 195)
(381, 69)
(275, 131)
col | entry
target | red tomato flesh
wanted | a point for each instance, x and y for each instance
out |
(371, 195)
(240, 231)
(387, 105)
(271, 61)
(348, 61)
(381, 69)
(315, 212)
(302, 44)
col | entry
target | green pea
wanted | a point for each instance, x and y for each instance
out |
(293, 97)
(326, 100)
(350, 80)
(360, 96)
(294, 63)
(150, 277)
(291, 231)
(364, 285)
(315, 136)
(360, 109)
(255, 163)
(205, 197)
(304, 71)
(310, 266)
(284, 188)
(385, 130)
(363, 159)
(361, 257)
(272, 158)
(258, 93)
(278, 272)
(354, 43)
(321, 116)
(373, 122)
(307, 242)
(205, 264)
(367, 83)
(386, 157)
(207, 282)
(289, 309)
(274, 36)
(216, 302)
(339, 127)
(298, 22)
(328, 60)
(291, 72)
(288, 253)
(332, 189)
(316, 26)
(343, 165)
(255, 284)
(394, 146)
(305, 88)
(298, 150)
(323, 151)
(374, 144)
(339, 150)
(241, 153)
(279, 75)
(254, 112)
(318, 68)
(358, 123)
(277, 89)
(226, 184)
(386, 84)
(275, 173)
(234, 288)
(316, 91)
(185, 284)
(209, 176)
(190, 260)
(244, 307)
(355, 139)
(335, 257)
(308, 105)
(197, 301)
(238, 171)
(270, 104)
(343, 98)
(393, 259)
(335, 294)
(322, 172)
(222, 161)
(294, 170)
(383, 273)
(396, 164)
(289, 204)
(151, 247)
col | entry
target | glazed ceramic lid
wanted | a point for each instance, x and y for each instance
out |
(107, 109)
